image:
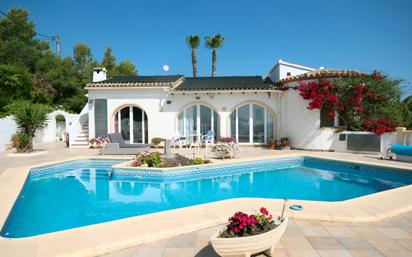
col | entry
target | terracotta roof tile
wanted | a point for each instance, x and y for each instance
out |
(137, 81)
(320, 73)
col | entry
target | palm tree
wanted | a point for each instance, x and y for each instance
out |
(30, 117)
(193, 42)
(214, 43)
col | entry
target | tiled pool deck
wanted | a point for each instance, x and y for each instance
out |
(128, 233)
(390, 237)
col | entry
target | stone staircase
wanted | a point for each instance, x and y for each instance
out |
(82, 138)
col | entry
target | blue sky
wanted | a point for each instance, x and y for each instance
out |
(351, 34)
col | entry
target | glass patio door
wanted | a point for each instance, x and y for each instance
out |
(196, 120)
(131, 122)
(251, 123)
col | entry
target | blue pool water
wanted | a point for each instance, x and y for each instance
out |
(88, 192)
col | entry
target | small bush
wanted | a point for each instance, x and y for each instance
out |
(156, 141)
(14, 141)
(198, 161)
(23, 142)
(153, 160)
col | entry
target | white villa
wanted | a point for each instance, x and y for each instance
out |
(251, 109)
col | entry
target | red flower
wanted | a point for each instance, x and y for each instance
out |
(264, 211)
(331, 115)
(332, 99)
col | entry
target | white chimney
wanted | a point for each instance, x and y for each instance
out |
(99, 74)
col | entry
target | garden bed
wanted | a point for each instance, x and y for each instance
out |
(157, 160)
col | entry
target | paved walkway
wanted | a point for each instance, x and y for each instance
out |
(55, 151)
(391, 238)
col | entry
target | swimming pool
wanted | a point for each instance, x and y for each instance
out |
(78, 193)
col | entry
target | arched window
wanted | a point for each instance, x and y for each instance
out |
(196, 120)
(251, 123)
(131, 122)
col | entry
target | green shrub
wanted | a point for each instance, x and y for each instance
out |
(22, 141)
(156, 141)
(60, 118)
(198, 161)
(153, 160)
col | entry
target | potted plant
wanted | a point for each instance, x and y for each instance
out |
(156, 141)
(93, 143)
(135, 162)
(284, 143)
(224, 150)
(226, 140)
(101, 141)
(246, 235)
(271, 143)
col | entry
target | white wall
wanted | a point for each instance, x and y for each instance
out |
(8, 128)
(49, 132)
(164, 123)
(280, 70)
(302, 125)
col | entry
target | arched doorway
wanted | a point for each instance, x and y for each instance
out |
(131, 122)
(197, 120)
(252, 123)
(60, 127)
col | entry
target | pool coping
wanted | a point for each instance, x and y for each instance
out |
(120, 234)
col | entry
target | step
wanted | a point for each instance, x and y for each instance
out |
(81, 140)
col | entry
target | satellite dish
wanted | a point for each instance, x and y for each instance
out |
(165, 67)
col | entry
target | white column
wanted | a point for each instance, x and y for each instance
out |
(184, 125)
(198, 121)
(131, 124)
(265, 124)
(250, 123)
(143, 132)
(212, 122)
(91, 121)
(119, 122)
(237, 125)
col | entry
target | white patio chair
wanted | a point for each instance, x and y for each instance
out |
(179, 140)
(208, 138)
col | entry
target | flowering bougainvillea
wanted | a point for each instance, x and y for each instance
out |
(379, 126)
(355, 104)
(242, 224)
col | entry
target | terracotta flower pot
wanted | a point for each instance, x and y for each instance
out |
(247, 246)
